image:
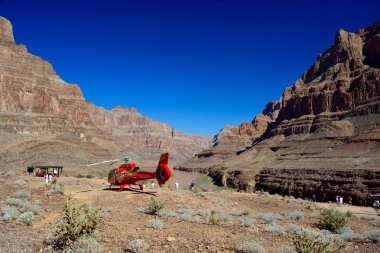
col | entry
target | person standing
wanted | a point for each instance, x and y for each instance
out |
(177, 186)
(376, 205)
(349, 200)
(340, 201)
(192, 185)
(337, 200)
(314, 197)
(46, 179)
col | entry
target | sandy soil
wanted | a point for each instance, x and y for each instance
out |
(123, 221)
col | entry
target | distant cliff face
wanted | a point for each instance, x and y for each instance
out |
(44, 118)
(127, 126)
(326, 123)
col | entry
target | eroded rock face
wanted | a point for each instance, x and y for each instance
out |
(231, 141)
(31, 91)
(326, 123)
(6, 31)
(42, 118)
(127, 126)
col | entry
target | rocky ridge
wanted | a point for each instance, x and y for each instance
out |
(43, 118)
(325, 124)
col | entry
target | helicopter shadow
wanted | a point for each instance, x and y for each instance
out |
(131, 190)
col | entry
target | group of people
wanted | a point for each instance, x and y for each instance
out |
(49, 176)
(192, 186)
(339, 200)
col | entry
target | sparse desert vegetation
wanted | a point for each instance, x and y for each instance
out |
(93, 219)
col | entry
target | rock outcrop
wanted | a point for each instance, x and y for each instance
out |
(43, 118)
(324, 135)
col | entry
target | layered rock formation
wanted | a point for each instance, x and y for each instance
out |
(42, 118)
(231, 141)
(324, 135)
(129, 128)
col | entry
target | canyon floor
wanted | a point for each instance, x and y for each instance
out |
(123, 221)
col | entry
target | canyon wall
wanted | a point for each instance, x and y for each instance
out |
(44, 119)
(326, 123)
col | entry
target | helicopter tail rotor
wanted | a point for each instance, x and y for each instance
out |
(163, 172)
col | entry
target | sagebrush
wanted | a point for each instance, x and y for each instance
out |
(155, 205)
(332, 219)
(306, 243)
(77, 223)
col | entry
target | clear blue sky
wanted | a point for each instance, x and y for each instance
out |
(197, 65)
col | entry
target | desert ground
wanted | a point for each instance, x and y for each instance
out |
(184, 224)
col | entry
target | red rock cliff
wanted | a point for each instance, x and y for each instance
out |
(324, 135)
(44, 118)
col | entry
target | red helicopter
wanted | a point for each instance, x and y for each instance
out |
(128, 174)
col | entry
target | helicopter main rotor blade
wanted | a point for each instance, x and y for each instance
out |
(116, 160)
(113, 162)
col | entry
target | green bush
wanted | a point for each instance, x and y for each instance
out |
(10, 173)
(185, 217)
(155, 205)
(24, 195)
(14, 202)
(306, 243)
(203, 213)
(138, 246)
(269, 217)
(245, 212)
(156, 224)
(296, 215)
(287, 249)
(166, 213)
(246, 221)
(85, 244)
(350, 214)
(76, 223)
(274, 228)
(25, 219)
(57, 187)
(372, 235)
(20, 182)
(250, 246)
(215, 218)
(9, 213)
(332, 219)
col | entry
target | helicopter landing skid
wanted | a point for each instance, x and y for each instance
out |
(132, 186)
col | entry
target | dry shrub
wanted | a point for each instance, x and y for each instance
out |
(25, 219)
(248, 244)
(215, 218)
(138, 246)
(77, 223)
(155, 205)
(306, 243)
(332, 219)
